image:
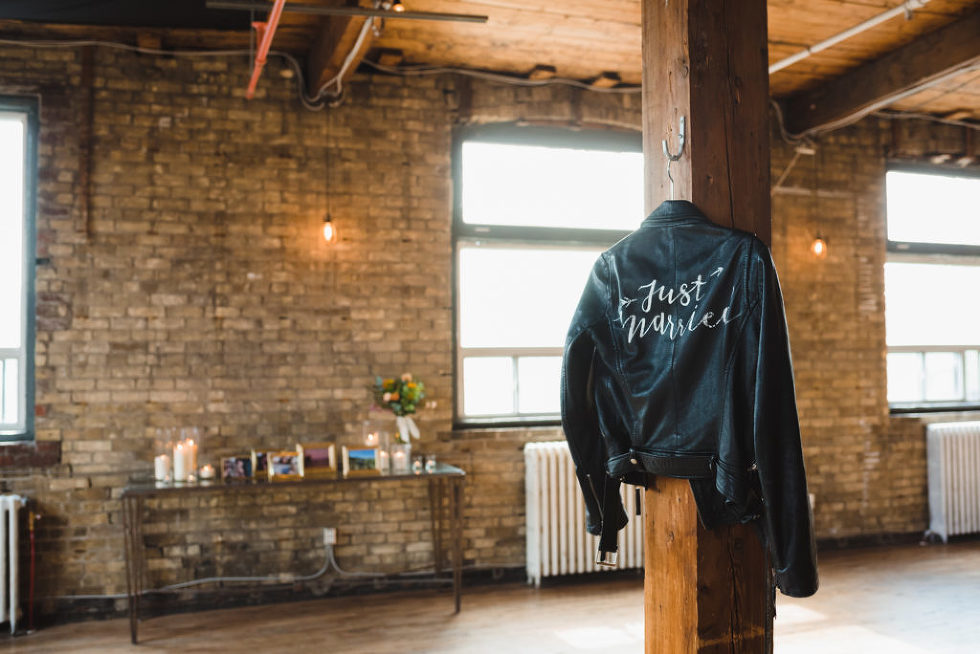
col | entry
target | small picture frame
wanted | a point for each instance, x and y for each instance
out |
(284, 466)
(260, 465)
(361, 461)
(236, 468)
(318, 460)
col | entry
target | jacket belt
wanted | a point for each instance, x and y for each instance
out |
(606, 554)
(690, 466)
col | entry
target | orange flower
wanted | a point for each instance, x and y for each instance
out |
(394, 397)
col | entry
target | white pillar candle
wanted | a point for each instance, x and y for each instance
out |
(161, 467)
(190, 450)
(180, 462)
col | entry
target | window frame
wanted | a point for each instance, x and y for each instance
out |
(930, 253)
(28, 107)
(514, 237)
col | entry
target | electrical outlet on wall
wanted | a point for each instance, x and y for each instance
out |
(329, 535)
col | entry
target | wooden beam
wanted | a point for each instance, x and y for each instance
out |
(925, 61)
(390, 57)
(149, 41)
(959, 114)
(336, 40)
(542, 72)
(706, 592)
(692, 605)
(606, 80)
(695, 64)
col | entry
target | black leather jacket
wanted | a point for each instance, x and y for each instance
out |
(677, 363)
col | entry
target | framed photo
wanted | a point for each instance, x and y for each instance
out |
(236, 467)
(318, 460)
(362, 462)
(260, 465)
(284, 466)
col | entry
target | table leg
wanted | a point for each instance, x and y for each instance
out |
(129, 547)
(456, 507)
(140, 556)
(435, 513)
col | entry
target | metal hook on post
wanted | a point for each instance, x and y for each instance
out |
(682, 138)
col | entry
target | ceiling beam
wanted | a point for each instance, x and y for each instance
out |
(606, 80)
(927, 60)
(340, 38)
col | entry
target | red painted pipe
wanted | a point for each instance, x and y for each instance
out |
(265, 33)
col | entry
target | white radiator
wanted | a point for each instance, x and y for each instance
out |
(557, 543)
(953, 455)
(9, 536)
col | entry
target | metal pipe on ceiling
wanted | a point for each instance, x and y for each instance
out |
(318, 10)
(265, 31)
(904, 8)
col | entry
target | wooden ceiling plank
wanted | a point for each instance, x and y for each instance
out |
(334, 42)
(522, 33)
(928, 59)
(620, 11)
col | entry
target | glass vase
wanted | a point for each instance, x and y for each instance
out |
(400, 458)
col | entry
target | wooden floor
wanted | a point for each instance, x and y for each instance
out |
(898, 600)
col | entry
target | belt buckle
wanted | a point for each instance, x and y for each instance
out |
(607, 559)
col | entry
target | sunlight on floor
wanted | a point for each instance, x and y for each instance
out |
(792, 614)
(858, 639)
(596, 637)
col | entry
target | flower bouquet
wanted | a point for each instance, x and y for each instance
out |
(402, 397)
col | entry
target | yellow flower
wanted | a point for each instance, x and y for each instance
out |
(412, 385)
(389, 382)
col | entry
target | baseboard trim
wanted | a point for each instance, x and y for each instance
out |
(870, 540)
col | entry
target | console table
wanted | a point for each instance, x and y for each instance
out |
(444, 482)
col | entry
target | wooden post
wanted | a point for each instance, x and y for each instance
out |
(706, 60)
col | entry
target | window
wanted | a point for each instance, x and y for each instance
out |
(534, 208)
(17, 169)
(932, 289)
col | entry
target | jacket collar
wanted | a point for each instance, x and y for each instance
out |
(673, 210)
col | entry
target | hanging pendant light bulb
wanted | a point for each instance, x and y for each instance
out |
(329, 231)
(819, 246)
(397, 6)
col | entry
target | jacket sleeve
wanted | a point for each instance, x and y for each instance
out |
(578, 416)
(787, 519)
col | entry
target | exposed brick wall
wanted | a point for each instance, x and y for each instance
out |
(866, 469)
(199, 292)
